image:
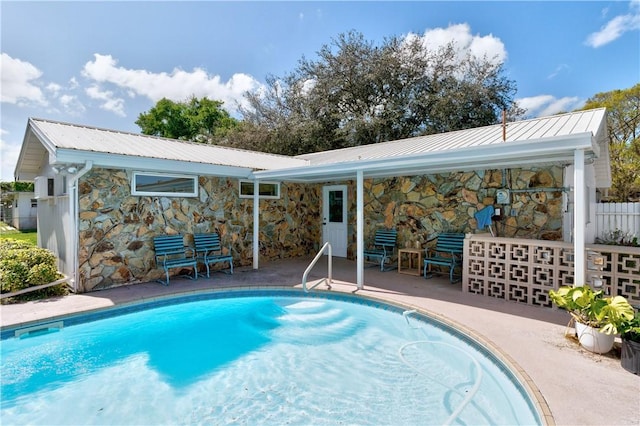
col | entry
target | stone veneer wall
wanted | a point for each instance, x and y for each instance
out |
(422, 206)
(117, 229)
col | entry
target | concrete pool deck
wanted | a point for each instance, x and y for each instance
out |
(579, 387)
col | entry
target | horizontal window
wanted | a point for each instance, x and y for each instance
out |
(266, 189)
(149, 184)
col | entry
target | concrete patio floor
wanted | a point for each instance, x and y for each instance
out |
(576, 387)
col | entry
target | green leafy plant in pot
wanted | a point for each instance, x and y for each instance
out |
(630, 351)
(597, 317)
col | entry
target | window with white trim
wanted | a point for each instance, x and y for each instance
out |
(267, 190)
(166, 185)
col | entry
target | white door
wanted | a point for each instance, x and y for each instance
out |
(334, 218)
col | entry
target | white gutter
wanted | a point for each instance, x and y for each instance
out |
(121, 161)
(579, 218)
(476, 157)
(73, 246)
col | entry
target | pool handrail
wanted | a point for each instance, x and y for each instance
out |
(328, 279)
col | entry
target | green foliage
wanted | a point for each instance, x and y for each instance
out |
(358, 93)
(23, 265)
(593, 308)
(198, 120)
(623, 125)
(30, 237)
(618, 238)
(630, 330)
(17, 186)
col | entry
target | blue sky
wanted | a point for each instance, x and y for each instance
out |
(104, 63)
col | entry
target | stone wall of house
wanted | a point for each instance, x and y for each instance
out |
(422, 206)
(117, 229)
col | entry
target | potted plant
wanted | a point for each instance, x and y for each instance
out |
(597, 317)
(630, 351)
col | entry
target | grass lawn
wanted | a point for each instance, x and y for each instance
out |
(30, 236)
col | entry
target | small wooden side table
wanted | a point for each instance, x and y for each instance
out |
(413, 261)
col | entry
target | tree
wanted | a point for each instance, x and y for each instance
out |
(358, 93)
(623, 125)
(198, 120)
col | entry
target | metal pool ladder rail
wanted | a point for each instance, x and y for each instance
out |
(328, 279)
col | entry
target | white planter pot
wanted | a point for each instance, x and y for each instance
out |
(592, 340)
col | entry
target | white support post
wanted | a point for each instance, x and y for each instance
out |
(579, 218)
(74, 214)
(360, 229)
(256, 223)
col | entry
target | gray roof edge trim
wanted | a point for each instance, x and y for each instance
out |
(119, 161)
(546, 146)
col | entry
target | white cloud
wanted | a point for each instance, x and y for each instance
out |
(109, 101)
(9, 157)
(178, 85)
(18, 82)
(559, 69)
(544, 105)
(53, 88)
(71, 105)
(464, 42)
(617, 26)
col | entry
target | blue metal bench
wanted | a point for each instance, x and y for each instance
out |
(447, 253)
(383, 248)
(171, 253)
(208, 250)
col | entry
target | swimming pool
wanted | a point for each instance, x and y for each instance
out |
(267, 357)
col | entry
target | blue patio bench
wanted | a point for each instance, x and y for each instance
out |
(171, 253)
(447, 253)
(209, 250)
(384, 246)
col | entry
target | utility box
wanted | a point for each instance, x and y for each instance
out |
(43, 187)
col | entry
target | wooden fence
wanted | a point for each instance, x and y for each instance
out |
(621, 218)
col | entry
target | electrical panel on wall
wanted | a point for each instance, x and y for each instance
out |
(503, 196)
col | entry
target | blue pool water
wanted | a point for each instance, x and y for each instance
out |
(268, 359)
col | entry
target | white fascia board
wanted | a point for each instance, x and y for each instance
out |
(118, 161)
(545, 150)
(44, 140)
(31, 136)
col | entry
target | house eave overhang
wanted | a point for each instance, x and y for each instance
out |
(502, 155)
(117, 161)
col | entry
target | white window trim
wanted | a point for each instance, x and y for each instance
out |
(194, 193)
(263, 197)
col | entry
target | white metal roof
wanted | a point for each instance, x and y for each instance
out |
(555, 126)
(71, 143)
(538, 141)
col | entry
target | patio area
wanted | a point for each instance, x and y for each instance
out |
(580, 388)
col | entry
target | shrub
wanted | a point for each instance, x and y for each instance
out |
(23, 266)
(618, 238)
